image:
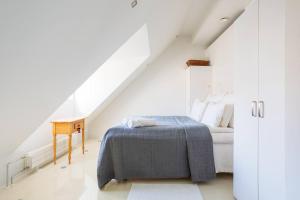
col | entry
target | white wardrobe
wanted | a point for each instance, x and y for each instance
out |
(265, 106)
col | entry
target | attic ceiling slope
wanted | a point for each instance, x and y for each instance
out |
(212, 27)
(195, 15)
(49, 48)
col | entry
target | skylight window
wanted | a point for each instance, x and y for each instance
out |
(110, 76)
(96, 91)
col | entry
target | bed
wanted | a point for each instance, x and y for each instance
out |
(223, 149)
(178, 147)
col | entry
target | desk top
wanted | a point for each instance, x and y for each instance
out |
(69, 120)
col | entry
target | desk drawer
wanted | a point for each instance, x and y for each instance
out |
(77, 125)
(62, 128)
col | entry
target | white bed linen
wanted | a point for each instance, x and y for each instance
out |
(223, 151)
(220, 130)
(213, 114)
(198, 110)
(222, 138)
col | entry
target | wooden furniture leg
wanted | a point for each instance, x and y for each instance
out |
(82, 134)
(54, 144)
(67, 127)
(70, 147)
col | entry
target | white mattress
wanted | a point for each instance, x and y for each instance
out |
(220, 130)
(223, 149)
(222, 138)
(221, 135)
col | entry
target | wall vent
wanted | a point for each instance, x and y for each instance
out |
(42, 156)
(37, 158)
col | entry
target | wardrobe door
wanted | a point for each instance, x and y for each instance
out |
(246, 93)
(272, 95)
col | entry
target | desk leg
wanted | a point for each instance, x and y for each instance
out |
(82, 134)
(70, 147)
(54, 144)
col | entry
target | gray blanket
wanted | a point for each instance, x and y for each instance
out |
(178, 147)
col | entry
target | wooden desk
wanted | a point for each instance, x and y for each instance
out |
(67, 127)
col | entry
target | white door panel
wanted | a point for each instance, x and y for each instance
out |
(272, 92)
(246, 91)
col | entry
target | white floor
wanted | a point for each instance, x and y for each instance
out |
(78, 181)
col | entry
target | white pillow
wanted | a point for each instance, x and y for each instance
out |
(227, 115)
(197, 110)
(213, 114)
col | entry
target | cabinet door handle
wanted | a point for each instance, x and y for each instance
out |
(261, 109)
(254, 108)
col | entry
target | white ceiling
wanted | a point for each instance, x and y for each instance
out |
(164, 20)
(212, 27)
(196, 14)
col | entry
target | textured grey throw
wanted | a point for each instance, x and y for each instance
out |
(178, 147)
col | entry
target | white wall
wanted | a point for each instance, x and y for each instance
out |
(41, 136)
(198, 84)
(159, 90)
(292, 99)
(221, 56)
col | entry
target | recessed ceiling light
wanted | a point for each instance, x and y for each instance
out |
(224, 19)
(133, 3)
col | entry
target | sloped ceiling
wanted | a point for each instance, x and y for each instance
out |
(211, 28)
(49, 48)
(196, 15)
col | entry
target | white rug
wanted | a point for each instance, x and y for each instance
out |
(164, 192)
